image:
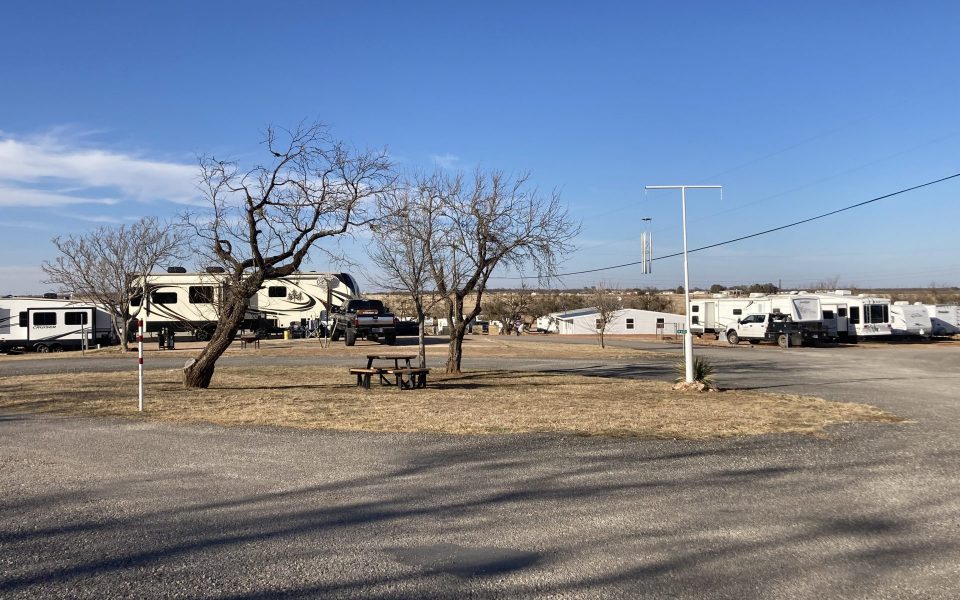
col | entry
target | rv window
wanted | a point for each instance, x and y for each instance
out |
(201, 294)
(695, 319)
(136, 300)
(599, 324)
(878, 314)
(842, 311)
(45, 318)
(75, 318)
(828, 314)
(277, 291)
(738, 311)
(854, 314)
(695, 308)
(660, 321)
(629, 323)
(163, 297)
(24, 319)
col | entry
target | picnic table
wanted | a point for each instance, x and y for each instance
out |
(406, 377)
(249, 339)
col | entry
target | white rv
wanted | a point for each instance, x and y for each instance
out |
(944, 318)
(718, 315)
(858, 316)
(51, 324)
(188, 302)
(910, 319)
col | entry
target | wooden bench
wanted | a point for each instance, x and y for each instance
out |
(408, 378)
(249, 339)
(363, 375)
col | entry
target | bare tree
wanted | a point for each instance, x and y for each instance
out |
(608, 301)
(108, 265)
(263, 222)
(473, 226)
(651, 299)
(506, 307)
(399, 252)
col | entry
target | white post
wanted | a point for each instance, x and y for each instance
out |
(140, 360)
(688, 335)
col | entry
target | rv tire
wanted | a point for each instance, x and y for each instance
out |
(41, 348)
(349, 337)
(56, 348)
(733, 338)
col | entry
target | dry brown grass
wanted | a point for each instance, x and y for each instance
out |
(474, 403)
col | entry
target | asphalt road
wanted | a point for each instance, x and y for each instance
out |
(99, 508)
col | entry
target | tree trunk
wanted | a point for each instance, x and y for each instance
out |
(121, 331)
(421, 338)
(199, 373)
(455, 352)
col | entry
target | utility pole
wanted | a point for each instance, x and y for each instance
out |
(687, 335)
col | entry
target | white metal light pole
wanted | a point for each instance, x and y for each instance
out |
(687, 335)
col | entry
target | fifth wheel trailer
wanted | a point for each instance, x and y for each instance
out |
(52, 324)
(720, 316)
(189, 302)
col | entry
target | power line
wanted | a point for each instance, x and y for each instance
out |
(759, 233)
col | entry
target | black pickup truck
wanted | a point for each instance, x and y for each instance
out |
(364, 319)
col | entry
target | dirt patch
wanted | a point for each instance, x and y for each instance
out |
(474, 403)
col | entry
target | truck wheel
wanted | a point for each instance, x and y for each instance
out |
(349, 337)
(390, 339)
(782, 340)
(733, 338)
(335, 335)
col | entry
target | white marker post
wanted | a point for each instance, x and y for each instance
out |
(687, 334)
(140, 359)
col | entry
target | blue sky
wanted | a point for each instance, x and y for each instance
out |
(795, 109)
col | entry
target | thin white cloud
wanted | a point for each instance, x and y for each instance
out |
(33, 225)
(445, 161)
(48, 172)
(26, 197)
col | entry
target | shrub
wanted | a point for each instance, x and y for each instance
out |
(702, 370)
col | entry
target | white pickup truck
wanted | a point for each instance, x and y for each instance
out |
(773, 327)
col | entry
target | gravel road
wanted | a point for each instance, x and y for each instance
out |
(96, 508)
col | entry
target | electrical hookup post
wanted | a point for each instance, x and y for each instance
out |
(687, 334)
(140, 361)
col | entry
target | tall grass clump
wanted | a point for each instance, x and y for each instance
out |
(703, 371)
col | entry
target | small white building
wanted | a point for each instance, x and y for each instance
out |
(623, 321)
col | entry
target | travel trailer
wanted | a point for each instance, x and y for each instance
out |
(51, 324)
(718, 316)
(944, 318)
(910, 319)
(858, 316)
(189, 302)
